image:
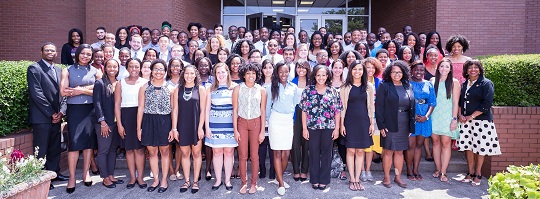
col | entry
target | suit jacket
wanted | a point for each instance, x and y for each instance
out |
(103, 104)
(387, 106)
(478, 98)
(44, 89)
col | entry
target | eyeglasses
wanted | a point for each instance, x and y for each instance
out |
(396, 72)
(323, 56)
(272, 45)
(176, 66)
(159, 70)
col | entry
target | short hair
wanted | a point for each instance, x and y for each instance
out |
(197, 80)
(376, 63)
(469, 63)
(254, 51)
(165, 24)
(244, 68)
(231, 57)
(381, 51)
(78, 31)
(101, 28)
(140, 64)
(312, 79)
(404, 69)
(218, 25)
(406, 27)
(457, 39)
(46, 44)
(288, 48)
(191, 24)
(136, 36)
(146, 29)
(429, 48)
(80, 49)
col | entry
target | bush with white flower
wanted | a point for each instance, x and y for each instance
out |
(15, 168)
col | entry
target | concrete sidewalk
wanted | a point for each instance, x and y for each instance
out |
(428, 188)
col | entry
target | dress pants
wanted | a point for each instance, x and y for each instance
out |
(249, 137)
(264, 148)
(299, 151)
(320, 155)
(47, 137)
(106, 155)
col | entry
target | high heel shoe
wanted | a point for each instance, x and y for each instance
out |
(96, 172)
(88, 184)
(70, 190)
(208, 176)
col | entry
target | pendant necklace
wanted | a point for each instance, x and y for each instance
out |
(187, 94)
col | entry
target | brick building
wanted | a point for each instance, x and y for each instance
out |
(492, 26)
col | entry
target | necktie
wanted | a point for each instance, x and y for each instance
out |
(273, 62)
(264, 48)
(232, 45)
(53, 72)
(135, 56)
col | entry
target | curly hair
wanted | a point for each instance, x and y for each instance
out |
(387, 77)
(183, 79)
(471, 62)
(231, 57)
(238, 46)
(457, 39)
(313, 80)
(255, 67)
(376, 64)
(401, 51)
(343, 56)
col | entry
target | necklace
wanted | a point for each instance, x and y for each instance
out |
(187, 94)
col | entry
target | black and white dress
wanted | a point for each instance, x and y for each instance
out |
(156, 123)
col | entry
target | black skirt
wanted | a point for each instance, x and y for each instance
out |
(129, 121)
(155, 129)
(80, 120)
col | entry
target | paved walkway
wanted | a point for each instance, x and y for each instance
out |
(428, 188)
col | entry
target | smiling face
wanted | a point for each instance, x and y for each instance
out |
(123, 56)
(256, 57)
(473, 71)
(155, 36)
(222, 75)
(189, 75)
(48, 53)
(337, 69)
(222, 56)
(177, 52)
(303, 37)
(163, 43)
(110, 38)
(362, 49)
(176, 68)
(301, 71)
(145, 69)
(289, 41)
(288, 56)
(134, 68)
(204, 67)
(108, 53)
(248, 36)
(268, 70)
(457, 49)
(194, 31)
(407, 54)
(99, 57)
(433, 56)
(350, 58)
(334, 48)
(434, 39)
(182, 38)
(146, 36)
(100, 34)
(85, 56)
(370, 69)
(383, 58)
(122, 35)
(151, 55)
(244, 48)
(158, 72)
(273, 46)
(392, 48)
(396, 74)
(445, 68)
(321, 76)
(417, 73)
(399, 37)
(135, 43)
(214, 44)
(411, 40)
(174, 36)
(111, 69)
(235, 64)
(264, 34)
(422, 39)
(250, 77)
(283, 74)
(357, 72)
(166, 31)
(218, 30)
(76, 38)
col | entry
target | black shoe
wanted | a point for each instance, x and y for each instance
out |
(51, 187)
(70, 190)
(162, 189)
(377, 160)
(130, 186)
(194, 190)
(60, 177)
(228, 187)
(96, 172)
(323, 187)
(315, 186)
(208, 177)
(113, 185)
(142, 186)
(118, 181)
(296, 178)
(302, 179)
(217, 187)
(88, 183)
(151, 188)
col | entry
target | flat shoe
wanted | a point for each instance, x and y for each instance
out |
(302, 179)
(118, 181)
(130, 186)
(228, 188)
(402, 185)
(322, 187)
(109, 186)
(216, 187)
(315, 186)
(88, 184)
(185, 186)
(152, 189)
(389, 185)
(162, 189)
(195, 187)
(281, 191)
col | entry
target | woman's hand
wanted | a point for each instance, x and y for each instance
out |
(208, 134)
(171, 136)
(200, 133)
(462, 119)
(335, 134)
(343, 133)
(122, 131)
(305, 134)
(139, 134)
(261, 137)
(77, 91)
(237, 136)
(421, 118)
(383, 132)
(176, 137)
(453, 125)
(105, 130)
(371, 129)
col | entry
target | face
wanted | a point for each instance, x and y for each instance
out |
(110, 38)
(371, 39)
(204, 67)
(222, 74)
(146, 36)
(330, 38)
(151, 55)
(189, 75)
(407, 54)
(350, 58)
(241, 32)
(363, 35)
(276, 35)
(283, 73)
(322, 57)
(288, 56)
(177, 52)
(399, 37)
(248, 36)
(159, 71)
(76, 38)
(383, 58)
(268, 70)
(174, 36)
(233, 32)
(163, 43)
(198, 54)
(136, 43)
(250, 77)
(256, 58)
(418, 72)
(317, 40)
(385, 37)
(445, 68)
(135, 31)
(347, 38)
(370, 69)
(166, 31)
(323, 31)
(339, 38)
(407, 30)
(434, 39)
(396, 74)
(108, 53)
(381, 30)
(218, 30)
(357, 71)
(256, 36)
(264, 34)
(182, 38)
(334, 48)
(290, 30)
(422, 39)
(209, 33)
(273, 46)
(457, 49)
(321, 76)
(303, 52)
(356, 36)
(100, 34)
(155, 36)
(194, 31)
(122, 35)
(362, 50)
(124, 56)
(99, 57)
(303, 37)
(192, 47)
(473, 71)
(244, 48)
(214, 43)
(111, 69)
(85, 56)
(222, 56)
(301, 71)
(145, 70)
(411, 41)
(134, 68)
(202, 33)
(392, 48)
(337, 69)
(176, 68)
(235, 64)
(432, 57)
(48, 53)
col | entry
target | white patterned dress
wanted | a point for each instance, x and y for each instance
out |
(220, 119)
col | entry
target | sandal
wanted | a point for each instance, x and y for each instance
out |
(411, 177)
(469, 179)
(353, 185)
(185, 186)
(172, 177)
(195, 187)
(437, 174)
(479, 177)
(343, 175)
(359, 186)
(418, 176)
(243, 190)
(444, 177)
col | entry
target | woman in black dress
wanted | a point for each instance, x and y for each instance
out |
(188, 117)
(357, 95)
(394, 109)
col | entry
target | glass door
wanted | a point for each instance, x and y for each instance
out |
(284, 21)
(254, 21)
(336, 24)
(309, 23)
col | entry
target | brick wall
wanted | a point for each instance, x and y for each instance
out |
(532, 18)
(21, 141)
(518, 129)
(25, 26)
(394, 14)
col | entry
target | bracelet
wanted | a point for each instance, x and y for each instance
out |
(174, 129)
(104, 125)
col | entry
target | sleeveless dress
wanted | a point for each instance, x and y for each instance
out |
(442, 114)
(357, 121)
(220, 119)
(128, 108)
(457, 69)
(80, 110)
(399, 141)
(424, 95)
(156, 122)
(188, 115)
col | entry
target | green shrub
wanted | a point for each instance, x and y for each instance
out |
(518, 182)
(516, 79)
(13, 96)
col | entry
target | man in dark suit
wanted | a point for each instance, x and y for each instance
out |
(47, 107)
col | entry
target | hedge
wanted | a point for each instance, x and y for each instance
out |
(516, 79)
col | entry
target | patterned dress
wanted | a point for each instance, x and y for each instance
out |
(220, 119)
(424, 95)
(442, 114)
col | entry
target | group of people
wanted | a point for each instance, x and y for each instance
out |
(161, 94)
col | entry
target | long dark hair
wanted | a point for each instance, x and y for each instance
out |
(313, 79)
(439, 45)
(349, 81)
(182, 81)
(118, 43)
(106, 81)
(449, 82)
(70, 40)
(80, 49)
(275, 80)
